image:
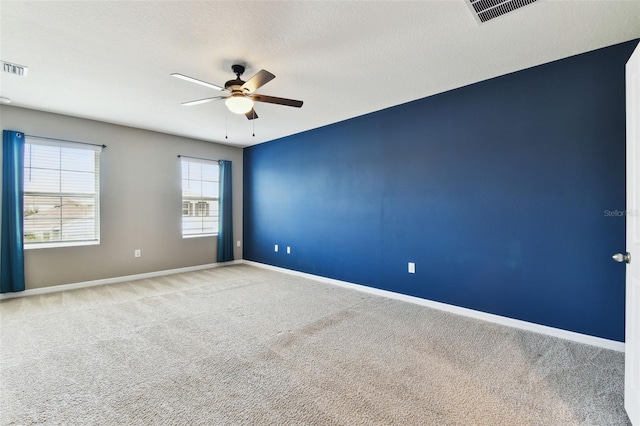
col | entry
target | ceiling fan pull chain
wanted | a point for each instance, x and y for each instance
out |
(226, 127)
(254, 123)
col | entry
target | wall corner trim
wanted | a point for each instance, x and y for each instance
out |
(496, 319)
(84, 284)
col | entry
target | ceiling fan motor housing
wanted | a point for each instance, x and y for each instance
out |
(234, 85)
(238, 70)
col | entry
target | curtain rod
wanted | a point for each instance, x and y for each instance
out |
(65, 140)
(197, 158)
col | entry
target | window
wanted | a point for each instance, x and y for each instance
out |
(202, 208)
(61, 193)
(187, 208)
(199, 197)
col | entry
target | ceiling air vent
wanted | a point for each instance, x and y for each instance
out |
(486, 10)
(14, 69)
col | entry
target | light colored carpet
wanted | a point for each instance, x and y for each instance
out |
(243, 345)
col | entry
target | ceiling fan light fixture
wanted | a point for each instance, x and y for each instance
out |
(239, 104)
(240, 95)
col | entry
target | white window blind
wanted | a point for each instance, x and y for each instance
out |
(61, 193)
(200, 197)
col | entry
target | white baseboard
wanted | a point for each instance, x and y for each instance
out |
(497, 319)
(74, 286)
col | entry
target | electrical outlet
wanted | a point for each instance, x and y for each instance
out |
(288, 250)
(137, 253)
(276, 248)
(238, 243)
(412, 268)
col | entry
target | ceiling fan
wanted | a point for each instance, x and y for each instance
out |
(240, 95)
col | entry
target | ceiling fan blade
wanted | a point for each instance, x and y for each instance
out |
(261, 78)
(202, 101)
(195, 80)
(274, 100)
(251, 115)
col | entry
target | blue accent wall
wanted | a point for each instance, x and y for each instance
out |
(504, 193)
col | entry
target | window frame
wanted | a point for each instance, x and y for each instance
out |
(95, 196)
(196, 208)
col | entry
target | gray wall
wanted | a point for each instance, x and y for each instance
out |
(140, 201)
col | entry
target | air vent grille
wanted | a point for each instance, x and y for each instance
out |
(14, 69)
(486, 10)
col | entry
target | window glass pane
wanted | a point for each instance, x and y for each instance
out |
(44, 157)
(210, 172)
(42, 219)
(41, 207)
(27, 155)
(78, 208)
(78, 182)
(210, 225)
(80, 160)
(191, 225)
(41, 180)
(194, 171)
(185, 169)
(191, 188)
(41, 231)
(78, 229)
(210, 189)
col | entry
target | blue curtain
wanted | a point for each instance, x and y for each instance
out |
(225, 231)
(11, 248)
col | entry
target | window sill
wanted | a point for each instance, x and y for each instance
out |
(58, 244)
(199, 235)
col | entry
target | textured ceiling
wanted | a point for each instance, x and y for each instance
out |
(111, 60)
